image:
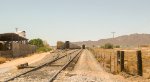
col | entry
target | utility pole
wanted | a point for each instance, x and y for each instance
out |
(16, 30)
(113, 33)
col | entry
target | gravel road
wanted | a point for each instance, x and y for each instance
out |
(87, 69)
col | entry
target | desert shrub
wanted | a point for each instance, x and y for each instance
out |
(43, 49)
(117, 46)
(2, 60)
(107, 46)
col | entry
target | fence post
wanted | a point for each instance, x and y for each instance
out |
(118, 60)
(139, 63)
(122, 61)
(104, 61)
(110, 62)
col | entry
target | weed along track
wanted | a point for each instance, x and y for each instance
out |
(48, 71)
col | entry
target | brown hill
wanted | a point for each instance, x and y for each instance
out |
(125, 40)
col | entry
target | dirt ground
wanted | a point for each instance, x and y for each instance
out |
(88, 69)
(10, 65)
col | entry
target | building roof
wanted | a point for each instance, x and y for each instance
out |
(11, 37)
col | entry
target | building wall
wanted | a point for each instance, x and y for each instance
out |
(22, 49)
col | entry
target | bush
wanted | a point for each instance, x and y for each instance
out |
(108, 46)
(43, 49)
(117, 46)
(42, 46)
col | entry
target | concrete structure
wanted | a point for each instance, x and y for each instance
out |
(14, 45)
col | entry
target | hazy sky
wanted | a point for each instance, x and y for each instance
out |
(75, 20)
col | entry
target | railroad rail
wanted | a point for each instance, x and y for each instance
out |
(55, 75)
(45, 64)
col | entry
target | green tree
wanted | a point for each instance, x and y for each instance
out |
(42, 46)
(38, 42)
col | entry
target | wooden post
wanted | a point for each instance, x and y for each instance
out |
(122, 61)
(104, 60)
(110, 63)
(139, 63)
(118, 60)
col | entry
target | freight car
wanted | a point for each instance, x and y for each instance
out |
(67, 45)
(74, 46)
(60, 45)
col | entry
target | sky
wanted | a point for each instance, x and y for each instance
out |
(75, 20)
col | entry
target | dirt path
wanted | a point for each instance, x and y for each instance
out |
(87, 63)
(87, 69)
(12, 64)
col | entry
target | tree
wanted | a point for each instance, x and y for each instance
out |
(38, 42)
(42, 46)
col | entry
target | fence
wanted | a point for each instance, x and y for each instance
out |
(133, 62)
(7, 53)
(18, 50)
(22, 49)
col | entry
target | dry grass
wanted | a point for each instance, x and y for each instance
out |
(103, 56)
(131, 62)
(5, 59)
(130, 59)
(2, 60)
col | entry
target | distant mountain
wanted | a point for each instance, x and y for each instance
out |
(125, 40)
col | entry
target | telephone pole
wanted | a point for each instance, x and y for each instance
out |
(113, 33)
(16, 29)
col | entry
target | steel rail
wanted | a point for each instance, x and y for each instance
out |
(56, 74)
(38, 67)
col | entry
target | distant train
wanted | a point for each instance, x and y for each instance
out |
(67, 45)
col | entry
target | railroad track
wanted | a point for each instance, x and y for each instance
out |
(49, 69)
(55, 75)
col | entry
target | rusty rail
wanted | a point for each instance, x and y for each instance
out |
(38, 67)
(56, 74)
